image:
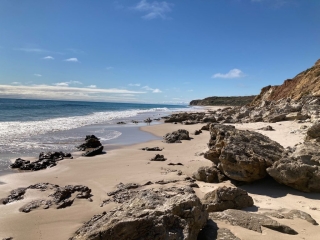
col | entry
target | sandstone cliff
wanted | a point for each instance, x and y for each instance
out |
(306, 83)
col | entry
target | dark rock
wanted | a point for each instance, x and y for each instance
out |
(91, 142)
(15, 195)
(152, 214)
(176, 136)
(174, 164)
(93, 152)
(242, 155)
(291, 215)
(152, 149)
(314, 131)
(267, 128)
(158, 157)
(206, 127)
(251, 221)
(121, 123)
(197, 132)
(210, 175)
(211, 231)
(224, 198)
(275, 118)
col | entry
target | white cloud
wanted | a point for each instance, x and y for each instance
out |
(66, 84)
(48, 58)
(72, 60)
(154, 90)
(134, 84)
(234, 73)
(16, 83)
(65, 92)
(109, 68)
(92, 86)
(154, 10)
(37, 75)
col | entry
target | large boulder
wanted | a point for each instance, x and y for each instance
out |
(211, 231)
(300, 169)
(242, 155)
(314, 131)
(91, 141)
(224, 198)
(251, 221)
(176, 136)
(151, 214)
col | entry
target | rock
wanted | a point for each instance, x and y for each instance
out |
(189, 122)
(224, 198)
(267, 128)
(209, 119)
(242, 155)
(91, 142)
(206, 127)
(152, 214)
(197, 132)
(121, 123)
(60, 196)
(291, 215)
(314, 131)
(93, 152)
(211, 231)
(158, 157)
(276, 118)
(251, 221)
(210, 175)
(180, 117)
(176, 136)
(174, 164)
(15, 195)
(300, 169)
(152, 149)
(296, 116)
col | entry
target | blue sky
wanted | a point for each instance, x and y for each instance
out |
(153, 51)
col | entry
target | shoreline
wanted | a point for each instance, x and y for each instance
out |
(129, 164)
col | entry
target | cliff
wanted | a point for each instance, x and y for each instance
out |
(306, 83)
(223, 101)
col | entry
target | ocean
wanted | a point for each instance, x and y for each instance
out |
(28, 127)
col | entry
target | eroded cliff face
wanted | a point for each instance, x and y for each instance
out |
(306, 83)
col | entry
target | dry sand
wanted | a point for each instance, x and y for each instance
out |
(131, 165)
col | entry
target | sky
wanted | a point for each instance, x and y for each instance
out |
(149, 51)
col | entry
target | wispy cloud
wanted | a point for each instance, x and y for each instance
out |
(64, 92)
(37, 75)
(234, 73)
(154, 10)
(71, 60)
(109, 68)
(36, 50)
(134, 84)
(154, 90)
(48, 58)
(67, 84)
(92, 86)
(16, 83)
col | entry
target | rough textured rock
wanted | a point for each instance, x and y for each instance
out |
(152, 149)
(91, 142)
(197, 132)
(251, 221)
(224, 198)
(291, 215)
(152, 214)
(211, 231)
(300, 169)
(314, 131)
(93, 152)
(267, 128)
(46, 160)
(61, 197)
(176, 136)
(210, 175)
(158, 157)
(242, 155)
(180, 117)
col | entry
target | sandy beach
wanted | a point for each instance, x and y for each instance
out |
(129, 164)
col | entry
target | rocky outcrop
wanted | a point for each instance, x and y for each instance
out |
(223, 101)
(224, 198)
(158, 157)
(60, 197)
(299, 169)
(314, 131)
(46, 160)
(251, 221)
(211, 231)
(242, 155)
(180, 117)
(92, 146)
(306, 83)
(281, 214)
(210, 175)
(151, 214)
(176, 136)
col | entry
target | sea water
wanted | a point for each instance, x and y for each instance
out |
(28, 127)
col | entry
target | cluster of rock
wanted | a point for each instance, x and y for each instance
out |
(158, 157)
(92, 146)
(60, 197)
(176, 136)
(152, 149)
(45, 160)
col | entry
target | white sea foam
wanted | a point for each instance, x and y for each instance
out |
(10, 131)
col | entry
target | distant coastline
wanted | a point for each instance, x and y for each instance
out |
(223, 101)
